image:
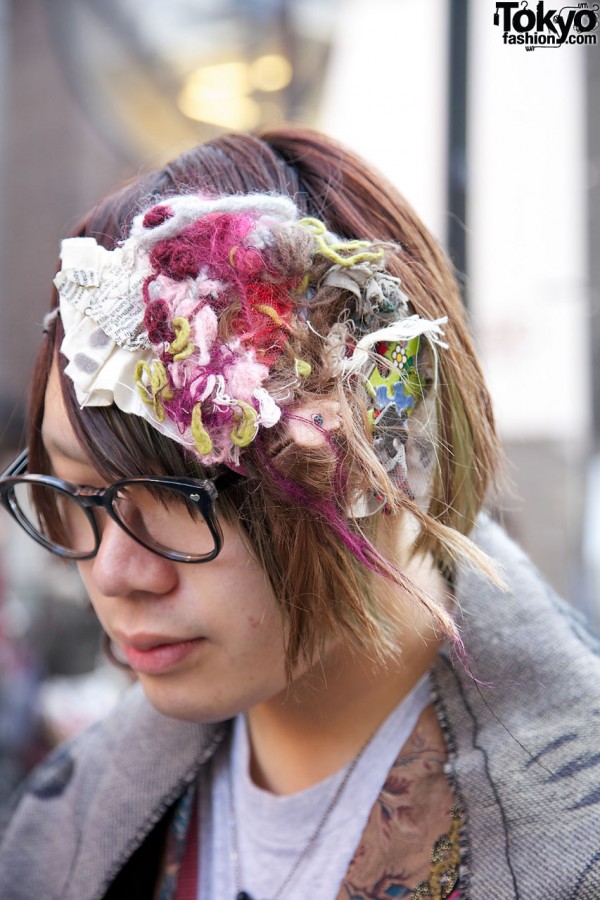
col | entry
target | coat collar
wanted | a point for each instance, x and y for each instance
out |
(522, 723)
(523, 736)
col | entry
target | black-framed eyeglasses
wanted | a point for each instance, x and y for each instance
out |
(173, 517)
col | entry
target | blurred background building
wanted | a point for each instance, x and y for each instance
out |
(497, 148)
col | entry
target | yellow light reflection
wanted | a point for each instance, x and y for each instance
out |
(221, 94)
(227, 112)
(231, 77)
(270, 73)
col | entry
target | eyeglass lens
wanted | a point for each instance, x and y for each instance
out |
(164, 519)
(56, 516)
(158, 516)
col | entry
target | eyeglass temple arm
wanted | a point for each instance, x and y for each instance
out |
(17, 466)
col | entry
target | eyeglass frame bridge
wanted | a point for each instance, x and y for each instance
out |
(101, 498)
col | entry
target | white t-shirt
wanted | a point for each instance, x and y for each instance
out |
(272, 831)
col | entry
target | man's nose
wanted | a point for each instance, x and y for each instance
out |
(123, 566)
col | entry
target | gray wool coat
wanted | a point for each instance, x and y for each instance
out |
(524, 759)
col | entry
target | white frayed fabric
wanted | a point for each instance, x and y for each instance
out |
(49, 319)
(103, 325)
(401, 331)
(269, 412)
(188, 208)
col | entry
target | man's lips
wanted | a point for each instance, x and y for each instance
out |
(154, 654)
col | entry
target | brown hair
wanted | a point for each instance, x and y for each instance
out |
(321, 586)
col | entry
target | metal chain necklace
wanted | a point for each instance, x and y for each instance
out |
(241, 894)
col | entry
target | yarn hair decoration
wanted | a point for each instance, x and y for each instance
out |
(195, 323)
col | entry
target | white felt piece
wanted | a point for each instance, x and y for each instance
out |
(401, 331)
(189, 208)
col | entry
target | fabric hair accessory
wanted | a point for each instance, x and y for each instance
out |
(192, 321)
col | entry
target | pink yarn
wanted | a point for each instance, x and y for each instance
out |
(180, 374)
(205, 327)
(206, 287)
(215, 237)
(180, 295)
(244, 377)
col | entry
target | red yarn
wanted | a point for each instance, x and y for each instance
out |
(257, 327)
(175, 258)
(248, 262)
(216, 236)
(260, 293)
(156, 216)
(215, 241)
(157, 320)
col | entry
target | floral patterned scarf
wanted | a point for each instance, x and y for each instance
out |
(410, 846)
